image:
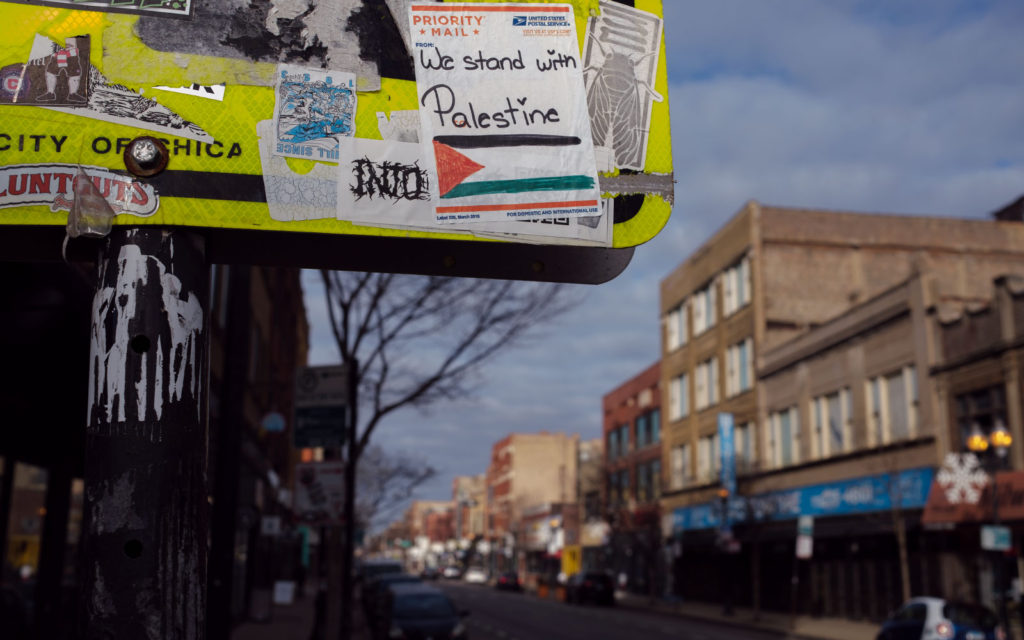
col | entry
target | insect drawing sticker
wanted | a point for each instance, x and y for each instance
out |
(503, 112)
(620, 58)
(313, 109)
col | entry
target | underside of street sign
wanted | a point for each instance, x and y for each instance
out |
(510, 140)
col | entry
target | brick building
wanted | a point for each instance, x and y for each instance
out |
(811, 330)
(632, 436)
(526, 470)
(469, 495)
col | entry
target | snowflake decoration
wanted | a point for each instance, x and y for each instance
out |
(962, 478)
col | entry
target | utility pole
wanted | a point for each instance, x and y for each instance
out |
(144, 549)
(348, 544)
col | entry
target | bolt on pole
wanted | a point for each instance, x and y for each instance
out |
(144, 549)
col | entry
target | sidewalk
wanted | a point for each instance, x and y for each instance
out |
(295, 622)
(806, 627)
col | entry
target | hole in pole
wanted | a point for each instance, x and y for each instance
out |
(133, 549)
(140, 344)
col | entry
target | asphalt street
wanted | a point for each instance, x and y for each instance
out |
(501, 615)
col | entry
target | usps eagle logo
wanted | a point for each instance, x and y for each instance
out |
(518, 21)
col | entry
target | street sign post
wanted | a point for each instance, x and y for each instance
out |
(321, 402)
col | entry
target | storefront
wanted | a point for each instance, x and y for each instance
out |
(742, 551)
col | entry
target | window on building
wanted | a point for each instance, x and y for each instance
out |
(624, 484)
(838, 422)
(744, 445)
(679, 397)
(679, 458)
(818, 428)
(892, 407)
(625, 446)
(613, 444)
(676, 329)
(642, 431)
(785, 437)
(643, 483)
(655, 422)
(739, 375)
(983, 407)
(708, 458)
(736, 287)
(706, 391)
(704, 309)
(656, 479)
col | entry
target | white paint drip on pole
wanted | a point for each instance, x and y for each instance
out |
(107, 370)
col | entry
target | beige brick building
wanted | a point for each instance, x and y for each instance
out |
(527, 472)
(815, 330)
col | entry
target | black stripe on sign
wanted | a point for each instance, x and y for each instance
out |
(208, 185)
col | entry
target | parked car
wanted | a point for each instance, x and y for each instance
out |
(375, 589)
(590, 586)
(421, 611)
(939, 619)
(372, 567)
(452, 571)
(508, 582)
(475, 575)
(430, 573)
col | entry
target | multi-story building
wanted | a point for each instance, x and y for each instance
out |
(469, 495)
(632, 436)
(594, 527)
(809, 329)
(416, 516)
(527, 470)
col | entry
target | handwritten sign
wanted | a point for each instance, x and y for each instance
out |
(503, 112)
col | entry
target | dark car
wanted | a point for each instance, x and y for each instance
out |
(418, 612)
(430, 573)
(591, 586)
(921, 618)
(372, 567)
(508, 582)
(375, 590)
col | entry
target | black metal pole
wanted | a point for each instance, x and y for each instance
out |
(144, 548)
(997, 564)
(348, 544)
(6, 491)
(227, 440)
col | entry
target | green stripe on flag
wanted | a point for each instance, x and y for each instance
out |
(551, 183)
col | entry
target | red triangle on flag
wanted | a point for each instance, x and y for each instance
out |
(452, 167)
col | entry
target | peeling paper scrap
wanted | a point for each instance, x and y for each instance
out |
(402, 126)
(208, 91)
(120, 105)
(292, 196)
(268, 31)
(312, 109)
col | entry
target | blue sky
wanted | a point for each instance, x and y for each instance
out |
(885, 106)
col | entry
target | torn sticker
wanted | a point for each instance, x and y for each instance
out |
(316, 34)
(118, 104)
(55, 75)
(210, 92)
(313, 108)
(620, 63)
(53, 185)
(163, 8)
(292, 196)
(402, 126)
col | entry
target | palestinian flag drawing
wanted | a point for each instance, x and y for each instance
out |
(473, 174)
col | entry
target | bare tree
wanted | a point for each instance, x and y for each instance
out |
(421, 339)
(411, 341)
(385, 482)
